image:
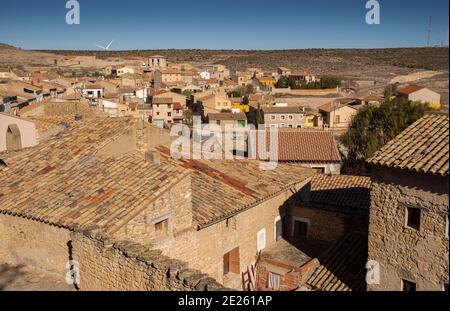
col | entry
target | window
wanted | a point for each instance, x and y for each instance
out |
(157, 113)
(282, 125)
(290, 126)
(446, 227)
(319, 169)
(272, 117)
(169, 114)
(273, 281)
(300, 229)
(408, 286)
(169, 106)
(337, 119)
(290, 117)
(162, 227)
(231, 262)
(299, 126)
(278, 228)
(301, 116)
(261, 240)
(272, 126)
(282, 117)
(413, 217)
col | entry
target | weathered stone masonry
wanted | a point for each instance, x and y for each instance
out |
(104, 264)
(405, 253)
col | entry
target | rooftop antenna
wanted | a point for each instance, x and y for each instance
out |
(429, 30)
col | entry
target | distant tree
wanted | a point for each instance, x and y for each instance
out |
(187, 93)
(249, 89)
(282, 83)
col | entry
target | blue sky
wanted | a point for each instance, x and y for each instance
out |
(221, 24)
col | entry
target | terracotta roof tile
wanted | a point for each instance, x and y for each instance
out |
(341, 191)
(343, 267)
(64, 182)
(306, 146)
(422, 147)
(410, 89)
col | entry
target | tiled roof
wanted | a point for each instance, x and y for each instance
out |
(423, 147)
(227, 116)
(332, 106)
(343, 267)
(221, 189)
(162, 100)
(410, 89)
(341, 191)
(64, 182)
(305, 146)
(284, 110)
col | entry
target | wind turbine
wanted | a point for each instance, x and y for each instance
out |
(103, 47)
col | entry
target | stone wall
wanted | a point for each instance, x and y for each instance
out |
(109, 265)
(420, 256)
(204, 249)
(34, 244)
(104, 264)
(175, 205)
(326, 225)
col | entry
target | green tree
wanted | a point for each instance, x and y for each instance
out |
(373, 126)
(282, 83)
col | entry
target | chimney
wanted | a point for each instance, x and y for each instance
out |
(152, 157)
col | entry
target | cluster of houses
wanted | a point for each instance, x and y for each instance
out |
(95, 151)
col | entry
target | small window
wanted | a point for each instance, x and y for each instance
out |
(300, 229)
(272, 117)
(282, 125)
(261, 240)
(283, 117)
(162, 227)
(413, 217)
(231, 262)
(290, 126)
(319, 169)
(273, 281)
(408, 286)
(169, 114)
(299, 126)
(337, 119)
(290, 117)
(446, 226)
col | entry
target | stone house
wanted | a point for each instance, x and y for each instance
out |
(214, 103)
(107, 194)
(232, 119)
(408, 232)
(328, 212)
(337, 115)
(291, 117)
(420, 94)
